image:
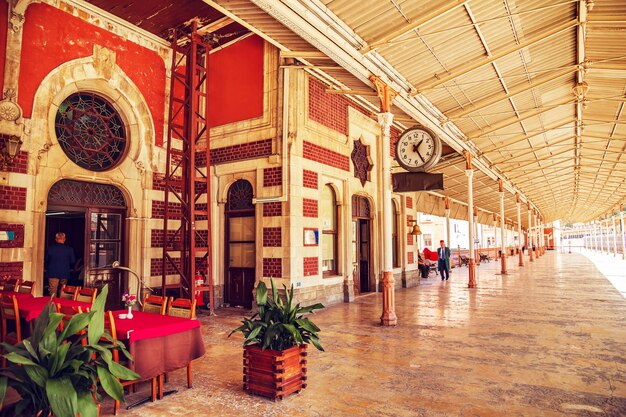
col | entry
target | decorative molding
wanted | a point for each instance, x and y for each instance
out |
(9, 109)
(362, 161)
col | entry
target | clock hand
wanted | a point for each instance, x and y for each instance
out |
(416, 148)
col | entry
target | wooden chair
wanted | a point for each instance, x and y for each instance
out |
(69, 292)
(109, 324)
(26, 287)
(12, 284)
(87, 295)
(154, 304)
(68, 312)
(11, 325)
(181, 307)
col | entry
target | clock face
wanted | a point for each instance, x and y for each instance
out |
(417, 149)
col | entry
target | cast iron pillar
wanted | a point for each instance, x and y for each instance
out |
(519, 231)
(502, 230)
(470, 218)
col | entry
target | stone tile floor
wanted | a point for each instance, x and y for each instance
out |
(548, 339)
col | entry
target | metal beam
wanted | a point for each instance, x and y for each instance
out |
(462, 70)
(518, 89)
(522, 117)
(427, 17)
(522, 137)
(369, 93)
(302, 54)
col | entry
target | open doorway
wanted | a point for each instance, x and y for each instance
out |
(362, 230)
(92, 216)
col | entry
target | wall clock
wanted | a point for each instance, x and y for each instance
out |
(418, 149)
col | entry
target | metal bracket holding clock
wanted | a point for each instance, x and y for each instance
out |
(418, 149)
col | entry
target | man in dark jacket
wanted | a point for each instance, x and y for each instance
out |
(58, 263)
(443, 260)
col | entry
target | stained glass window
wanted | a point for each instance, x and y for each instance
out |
(90, 131)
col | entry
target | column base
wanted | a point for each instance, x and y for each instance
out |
(388, 318)
(521, 258)
(472, 274)
(503, 263)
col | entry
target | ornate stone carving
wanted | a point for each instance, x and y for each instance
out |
(9, 109)
(362, 161)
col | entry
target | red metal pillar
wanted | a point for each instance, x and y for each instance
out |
(186, 250)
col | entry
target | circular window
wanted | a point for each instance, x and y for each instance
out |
(90, 131)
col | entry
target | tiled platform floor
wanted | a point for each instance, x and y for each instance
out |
(548, 339)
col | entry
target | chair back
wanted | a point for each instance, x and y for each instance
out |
(182, 307)
(87, 295)
(68, 312)
(10, 316)
(12, 284)
(69, 292)
(26, 287)
(109, 324)
(154, 304)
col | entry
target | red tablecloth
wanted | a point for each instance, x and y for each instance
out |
(149, 325)
(18, 295)
(30, 308)
(158, 343)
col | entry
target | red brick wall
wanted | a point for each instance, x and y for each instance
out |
(309, 207)
(158, 182)
(158, 208)
(11, 269)
(310, 266)
(156, 238)
(309, 179)
(330, 110)
(12, 198)
(272, 267)
(393, 136)
(409, 257)
(18, 241)
(238, 152)
(272, 236)
(272, 176)
(409, 239)
(155, 267)
(409, 202)
(325, 156)
(272, 209)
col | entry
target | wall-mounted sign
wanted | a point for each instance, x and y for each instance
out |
(404, 182)
(311, 237)
(6, 235)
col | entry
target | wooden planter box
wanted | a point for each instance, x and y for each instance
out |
(274, 374)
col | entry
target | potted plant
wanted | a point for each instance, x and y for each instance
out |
(275, 343)
(57, 372)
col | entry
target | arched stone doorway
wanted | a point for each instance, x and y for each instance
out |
(93, 217)
(362, 244)
(240, 245)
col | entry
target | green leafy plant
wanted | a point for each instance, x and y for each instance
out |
(278, 324)
(57, 372)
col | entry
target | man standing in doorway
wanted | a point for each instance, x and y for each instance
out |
(58, 262)
(443, 260)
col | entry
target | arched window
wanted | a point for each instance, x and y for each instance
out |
(394, 227)
(328, 210)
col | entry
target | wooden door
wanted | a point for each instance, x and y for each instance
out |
(364, 255)
(240, 244)
(103, 246)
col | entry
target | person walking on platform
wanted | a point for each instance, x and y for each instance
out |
(443, 260)
(58, 262)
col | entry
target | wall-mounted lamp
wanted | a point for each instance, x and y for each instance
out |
(9, 151)
(416, 229)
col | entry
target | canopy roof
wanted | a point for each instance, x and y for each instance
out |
(533, 89)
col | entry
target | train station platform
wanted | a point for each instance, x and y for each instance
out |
(547, 339)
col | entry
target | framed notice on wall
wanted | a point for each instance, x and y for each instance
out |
(311, 237)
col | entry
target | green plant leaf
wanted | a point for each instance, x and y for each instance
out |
(96, 324)
(59, 358)
(316, 342)
(3, 387)
(41, 322)
(110, 384)
(30, 349)
(19, 359)
(77, 323)
(254, 333)
(123, 372)
(306, 324)
(62, 397)
(305, 310)
(38, 374)
(261, 294)
(294, 332)
(274, 292)
(87, 406)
